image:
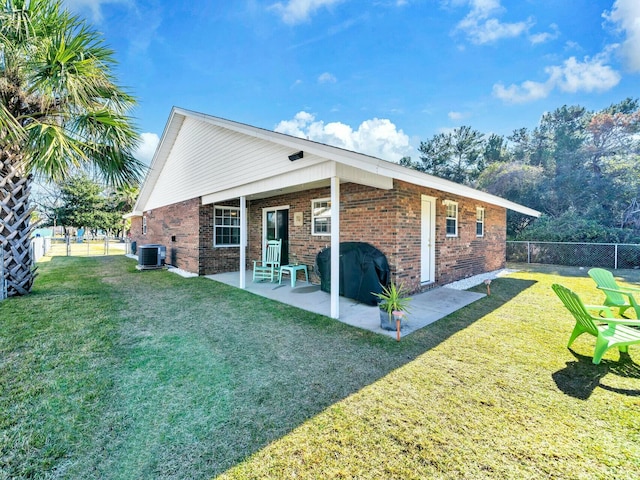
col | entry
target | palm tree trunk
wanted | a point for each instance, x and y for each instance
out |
(15, 228)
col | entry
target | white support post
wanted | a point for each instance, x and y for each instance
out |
(243, 242)
(335, 247)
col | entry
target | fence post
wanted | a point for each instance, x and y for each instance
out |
(615, 261)
(67, 240)
(528, 252)
(106, 245)
(3, 282)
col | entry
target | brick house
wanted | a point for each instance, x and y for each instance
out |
(215, 184)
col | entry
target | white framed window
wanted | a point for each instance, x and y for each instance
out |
(144, 225)
(226, 226)
(451, 218)
(321, 216)
(479, 222)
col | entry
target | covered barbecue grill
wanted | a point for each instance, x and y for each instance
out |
(363, 269)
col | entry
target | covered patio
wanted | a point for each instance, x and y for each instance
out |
(426, 307)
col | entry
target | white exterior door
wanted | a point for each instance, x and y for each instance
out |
(428, 236)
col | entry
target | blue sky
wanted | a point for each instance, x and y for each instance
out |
(376, 77)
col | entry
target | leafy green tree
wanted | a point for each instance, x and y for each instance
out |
(571, 226)
(456, 156)
(61, 110)
(435, 154)
(466, 161)
(520, 146)
(515, 181)
(495, 149)
(580, 168)
(82, 204)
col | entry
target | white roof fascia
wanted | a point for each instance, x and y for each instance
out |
(167, 140)
(133, 214)
(419, 178)
(353, 159)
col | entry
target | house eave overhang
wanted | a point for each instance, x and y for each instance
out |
(405, 174)
(314, 176)
(348, 166)
(132, 214)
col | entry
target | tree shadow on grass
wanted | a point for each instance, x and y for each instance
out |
(204, 374)
(278, 366)
(581, 377)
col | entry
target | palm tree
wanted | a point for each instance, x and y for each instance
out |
(61, 111)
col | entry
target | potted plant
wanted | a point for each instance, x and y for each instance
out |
(393, 305)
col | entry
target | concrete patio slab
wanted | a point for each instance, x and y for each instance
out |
(426, 307)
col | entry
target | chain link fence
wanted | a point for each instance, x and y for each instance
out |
(75, 247)
(605, 255)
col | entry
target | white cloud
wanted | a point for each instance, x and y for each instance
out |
(298, 11)
(527, 92)
(626, 15)
(326, 77)
(147, 148)
(572, 76)
(543, 37)
(93, 7)
(457, 115)
(588, 76)
(481, 26)
(377, 137)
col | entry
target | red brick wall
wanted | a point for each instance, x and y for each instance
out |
(303, 247)
(456, 257)
(215, 259)
(176, 227)
(390, 220)
(186, 229)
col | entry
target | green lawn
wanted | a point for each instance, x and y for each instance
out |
(108, 372)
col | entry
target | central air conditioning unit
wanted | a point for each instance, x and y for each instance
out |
(151, 256)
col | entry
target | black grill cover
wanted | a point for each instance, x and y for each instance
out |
(363, 268)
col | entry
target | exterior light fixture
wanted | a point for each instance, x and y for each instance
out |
(296, 156)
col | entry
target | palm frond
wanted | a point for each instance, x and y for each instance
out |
(50, 151)
(11, 131)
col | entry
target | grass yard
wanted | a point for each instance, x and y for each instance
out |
(108, 372)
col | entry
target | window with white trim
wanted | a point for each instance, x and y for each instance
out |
(321, 216)
(226, 227)
(452, 218)
(144, 225)
(479, 222)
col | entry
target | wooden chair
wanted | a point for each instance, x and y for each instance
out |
(615, 295)
(268, 268)
(609, 332)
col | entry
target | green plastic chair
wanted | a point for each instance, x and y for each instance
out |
(268, 268)
(615, 295)
(609, 332)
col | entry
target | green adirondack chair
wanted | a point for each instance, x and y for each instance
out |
(609, 332)
(268, 268)
(615, 295)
